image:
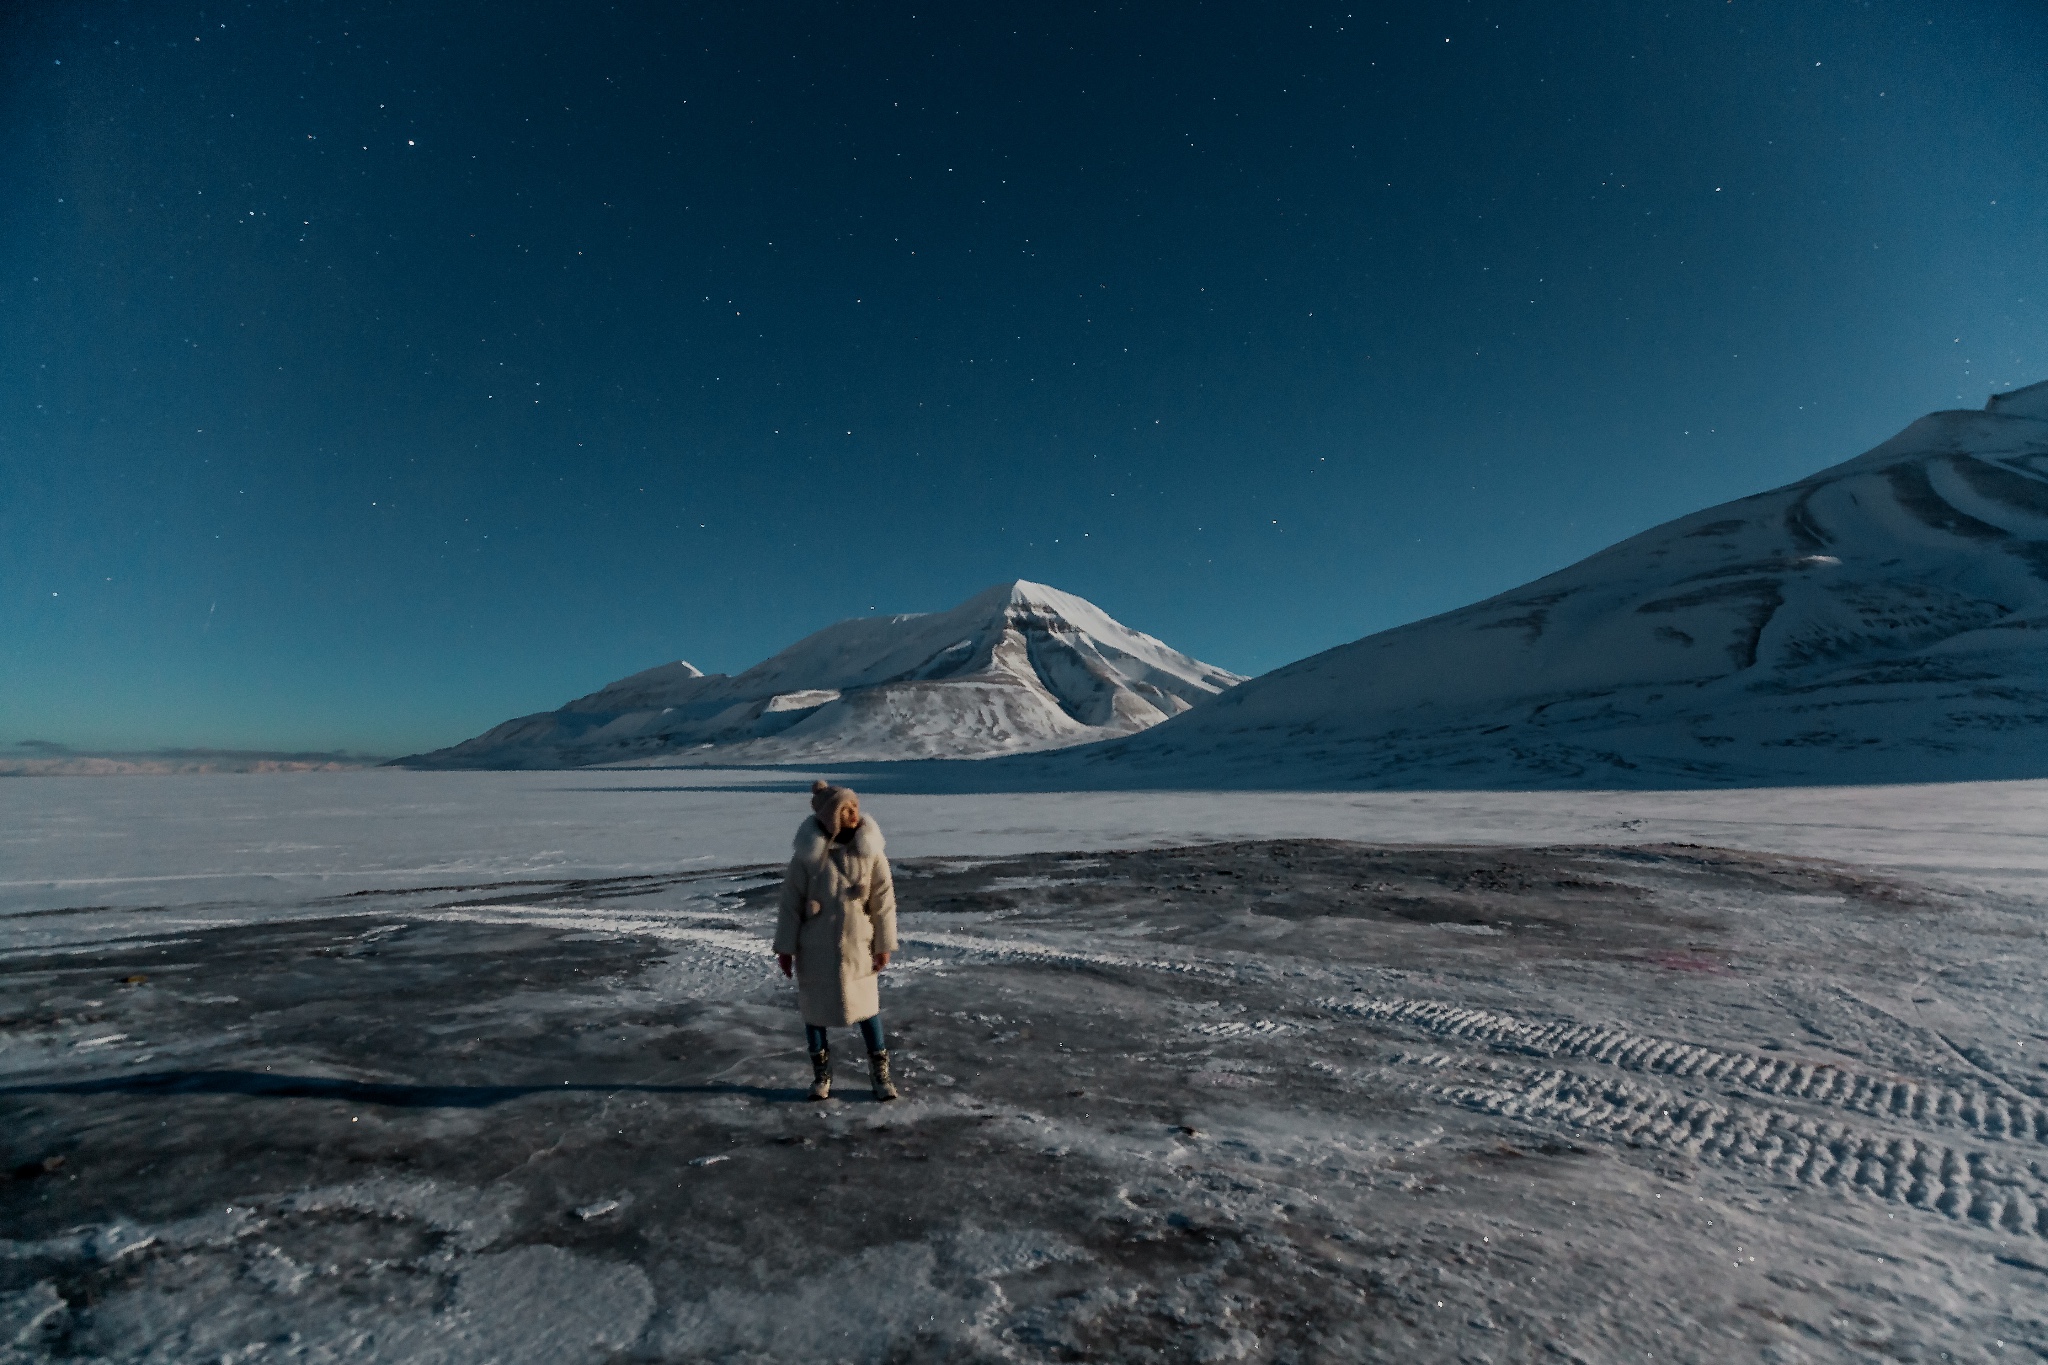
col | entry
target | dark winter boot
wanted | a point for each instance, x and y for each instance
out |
(821, 1074)
(878, 1073)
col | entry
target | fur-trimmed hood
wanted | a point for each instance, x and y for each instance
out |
(811, 841)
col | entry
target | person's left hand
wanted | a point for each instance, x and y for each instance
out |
(881, 961)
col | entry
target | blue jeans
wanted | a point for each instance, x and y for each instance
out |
(870, 1033)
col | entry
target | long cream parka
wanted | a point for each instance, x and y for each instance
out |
(834, 945)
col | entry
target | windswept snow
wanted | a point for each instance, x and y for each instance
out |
(1622, 1097)
(1019, 668)
(88, 859)
(1882, 620)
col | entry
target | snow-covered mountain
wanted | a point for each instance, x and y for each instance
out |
(1883, 620)
(1018, 668)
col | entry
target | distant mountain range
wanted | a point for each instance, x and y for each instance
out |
(1019, 668)
(42, 758)
(1883, 620)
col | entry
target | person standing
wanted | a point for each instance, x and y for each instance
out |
(837, 930)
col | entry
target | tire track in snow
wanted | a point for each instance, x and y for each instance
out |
(672, 928)
(1011, 949)
(1255, 1028)
(754, 949)
(1978, 1110)
(1967, 1187)
(1917, 1172)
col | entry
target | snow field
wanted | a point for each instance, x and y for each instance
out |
(1446, 1095)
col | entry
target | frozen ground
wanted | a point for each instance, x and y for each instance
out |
(121, 855)
(493, 1067)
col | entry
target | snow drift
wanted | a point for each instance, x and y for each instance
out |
(1019, 668)
(1882, 620)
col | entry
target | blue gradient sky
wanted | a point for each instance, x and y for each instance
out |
(374, 372)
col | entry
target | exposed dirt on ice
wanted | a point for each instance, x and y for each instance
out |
(1295, 1100)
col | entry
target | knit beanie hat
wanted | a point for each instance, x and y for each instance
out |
(826, 801)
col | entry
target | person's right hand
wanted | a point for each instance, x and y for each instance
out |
(786, 962)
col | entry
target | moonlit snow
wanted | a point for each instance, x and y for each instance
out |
(1884, 620)
(1018, 668)
(1204, 1056)
(466, 1067)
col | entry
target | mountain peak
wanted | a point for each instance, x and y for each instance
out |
(1019, 592)
(1037, 594)
(1020, 666)
(2031, 401)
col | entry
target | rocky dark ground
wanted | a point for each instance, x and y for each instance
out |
(1273, 1101)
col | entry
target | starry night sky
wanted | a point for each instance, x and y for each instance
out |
(370, 373)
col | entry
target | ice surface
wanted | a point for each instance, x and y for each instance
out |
(1601, 1092)
(82, 859)
(1553, 1061)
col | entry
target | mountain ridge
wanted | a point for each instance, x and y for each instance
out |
(1019, 667)
(1883, 619)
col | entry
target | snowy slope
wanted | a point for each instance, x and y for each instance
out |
(1018, 668)
(1882, 620)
